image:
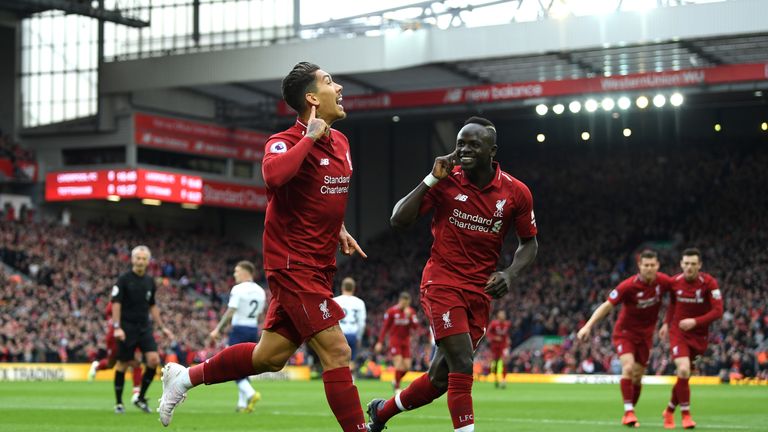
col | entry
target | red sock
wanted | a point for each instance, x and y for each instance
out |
(683, 392)
(235, 362)
(419, 393)
(636, 394)
(136, 375)
(103, 363)
(343, 399)
(460, 399)
(673, 401)
(398, 377)
(626, 393)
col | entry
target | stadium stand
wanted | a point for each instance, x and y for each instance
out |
(589, 235)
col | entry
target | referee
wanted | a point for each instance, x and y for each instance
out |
(133, 300)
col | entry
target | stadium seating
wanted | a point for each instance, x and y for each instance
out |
(594, 211)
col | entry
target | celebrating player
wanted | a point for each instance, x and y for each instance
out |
(307, 169)
(498, 334)
(696, 302)
(133, 301)
(353, 324)
(474, 207)
(109, 361)
(640, 296)
(399, 320)
(246, 302)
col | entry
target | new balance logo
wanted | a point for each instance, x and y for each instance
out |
(325, 162)
(461, 197)
(447, 320)
(324, 309)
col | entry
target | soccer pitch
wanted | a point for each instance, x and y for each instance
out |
(301, 406)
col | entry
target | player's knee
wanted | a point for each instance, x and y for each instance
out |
(461, 364)
(153, 361)
(627, 371)
(684, 372)
(338, 356)
(438, 381)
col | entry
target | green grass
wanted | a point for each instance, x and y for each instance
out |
(301, 406)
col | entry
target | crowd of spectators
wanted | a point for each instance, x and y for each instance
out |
(16, 162)
(595, 210)
(55, 312)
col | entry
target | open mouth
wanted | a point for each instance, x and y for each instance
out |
(338, 101)
(467, 159)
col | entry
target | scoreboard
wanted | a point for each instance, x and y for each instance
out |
(125, 183)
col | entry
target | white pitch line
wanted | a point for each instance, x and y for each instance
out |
(539, 420)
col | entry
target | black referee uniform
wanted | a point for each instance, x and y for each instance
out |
(135, 294)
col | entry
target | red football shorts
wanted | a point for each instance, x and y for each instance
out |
(498, 350)
(454, 311)
(683, 344)
(638, 346)
(302, 303)
(401, 348)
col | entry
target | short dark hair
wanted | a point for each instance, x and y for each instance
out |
(247, 266)
(485, 123)
(295, 85)
(648, 254)
(405, 295)
(692, 252)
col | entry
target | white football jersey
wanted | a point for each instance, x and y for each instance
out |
(354, 314)
(249, 299)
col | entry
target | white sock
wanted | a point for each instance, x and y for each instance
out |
(467, 428)
(185, 381)
(628, 407)
(241, 400)
(245, 387)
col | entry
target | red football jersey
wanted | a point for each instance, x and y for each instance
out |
(641, 303)
(498, 332)
(304, 215)
(700, 299)
(398, 324)
(469, 226)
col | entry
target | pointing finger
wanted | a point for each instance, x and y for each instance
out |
(312, 112)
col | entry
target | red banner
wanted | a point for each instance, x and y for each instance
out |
(127, 183)
(187, 136)
(537, 89)
(234, 195)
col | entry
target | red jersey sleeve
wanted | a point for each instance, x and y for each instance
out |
(387, 325)
(670, 308)
(616, 295)
(414, 320)
(716, 301)
(282, 160)
(430, 200)
(525, 220)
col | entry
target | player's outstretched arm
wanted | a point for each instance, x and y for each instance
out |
(406, 210)
(227, 318)
(500, 282)
(601, 312)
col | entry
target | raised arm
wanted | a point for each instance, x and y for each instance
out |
(406, 210)
(280, 166)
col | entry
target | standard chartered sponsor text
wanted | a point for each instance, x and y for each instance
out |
(341, 182)
(470, 222)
